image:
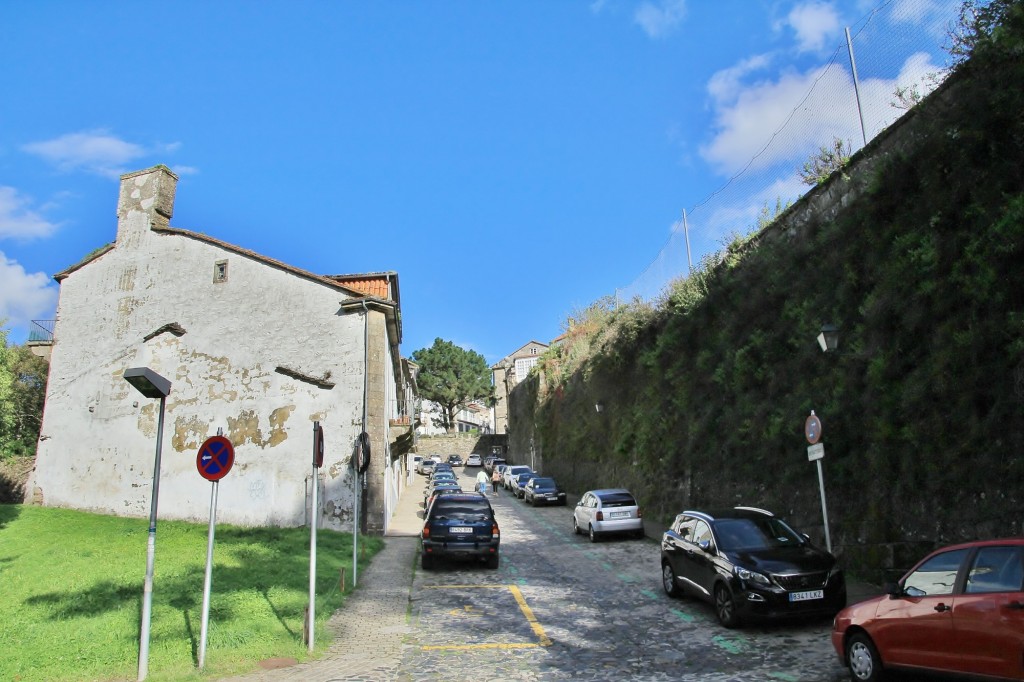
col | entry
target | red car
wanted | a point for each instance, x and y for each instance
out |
(960, 610)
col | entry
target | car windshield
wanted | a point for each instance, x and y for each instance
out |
(617, 500)
(543, 483)
(754, 534)
(462, 511)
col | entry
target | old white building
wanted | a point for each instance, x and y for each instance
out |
(252, 346)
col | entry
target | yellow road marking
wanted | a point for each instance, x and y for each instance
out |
(538, 630)
(528, 612)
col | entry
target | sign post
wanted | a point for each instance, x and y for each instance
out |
(216, 455)
(314, 520)
(816, 453)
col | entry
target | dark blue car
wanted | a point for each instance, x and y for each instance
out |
(459, 525)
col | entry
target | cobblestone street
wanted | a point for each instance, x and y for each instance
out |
(558, 607)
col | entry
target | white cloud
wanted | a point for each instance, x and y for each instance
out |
(658, 20)
(18, 220)
(24, 296)
(725, 85)
(769, 122)
(95, 151)
(814, 23)
(878, 94)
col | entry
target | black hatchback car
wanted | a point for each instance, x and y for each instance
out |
(459, 525)
(749, 564)
(543, 490)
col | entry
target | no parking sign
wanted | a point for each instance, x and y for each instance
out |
(216, 455)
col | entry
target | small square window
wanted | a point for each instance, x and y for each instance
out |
(220, 271)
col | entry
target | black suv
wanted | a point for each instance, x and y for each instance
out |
(749, 563)
(459, 525)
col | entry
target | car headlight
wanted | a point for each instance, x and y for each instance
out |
(752, 576)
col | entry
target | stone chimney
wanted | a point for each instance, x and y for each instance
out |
(146, 200)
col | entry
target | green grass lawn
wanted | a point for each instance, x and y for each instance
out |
(71, 595)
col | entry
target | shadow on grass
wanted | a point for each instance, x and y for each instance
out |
(272, 566)
(8, 512)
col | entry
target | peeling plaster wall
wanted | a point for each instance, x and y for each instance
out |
(98, 437)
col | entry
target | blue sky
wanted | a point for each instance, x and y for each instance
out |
(512, 161)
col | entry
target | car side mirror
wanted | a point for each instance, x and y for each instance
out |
(705, 545)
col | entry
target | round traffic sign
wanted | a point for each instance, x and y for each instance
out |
(812, 428)
(216, 455)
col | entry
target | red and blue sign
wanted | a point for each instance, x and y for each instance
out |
(216, 455)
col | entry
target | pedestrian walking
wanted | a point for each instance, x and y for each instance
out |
(481, 482)
(495, 480)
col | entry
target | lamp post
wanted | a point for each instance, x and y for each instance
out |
(828, 339)
(151, 385)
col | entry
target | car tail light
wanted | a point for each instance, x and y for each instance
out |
(599, 516)
(426, 531)
(494, 531)
(639, 513)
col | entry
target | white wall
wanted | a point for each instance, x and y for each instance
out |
(98, 436)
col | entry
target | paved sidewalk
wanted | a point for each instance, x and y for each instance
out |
(369, 631)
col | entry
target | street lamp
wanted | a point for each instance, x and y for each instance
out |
(151, 385)
(828, 339)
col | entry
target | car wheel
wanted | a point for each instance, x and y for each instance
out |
(591, 533)
(668, 580)
(492, 561)
(575, 526)
(725, 607)
(533, 501)
(426, 562)
(862, 658)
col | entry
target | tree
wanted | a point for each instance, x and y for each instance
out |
(987, 26)
(452, 377)
(825, 162)
(22, 393)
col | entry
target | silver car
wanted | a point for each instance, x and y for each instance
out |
(603, 512)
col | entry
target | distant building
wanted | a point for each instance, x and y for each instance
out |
(473, 417)
(508, 372)
(252, 346)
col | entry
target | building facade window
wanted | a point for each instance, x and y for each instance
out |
(220, 272)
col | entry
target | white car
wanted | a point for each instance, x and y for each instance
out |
(425, 466)
(474, 460)
(511, 472)
(613, 510)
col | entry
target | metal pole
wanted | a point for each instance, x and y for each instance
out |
(824, 509)
(856, 87)
(147, 590)
(208, 582)
(314, 522)
(686, 234)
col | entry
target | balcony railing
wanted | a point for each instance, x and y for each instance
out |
(41, 332)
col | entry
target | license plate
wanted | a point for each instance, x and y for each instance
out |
(619, 515)
(460, 529)
(805, 596)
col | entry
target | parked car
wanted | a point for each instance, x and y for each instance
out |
(425, 467)
(443, 476)
(444, 466)
(960, 610)
(543, 490)
(415, 462)
(437, 459)
(519, 482)
(492, 462)
(607, 511)
(474, 460)
(511, 472)
(749, 563)
(455, 460)
(443, 486)
(459, 525)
